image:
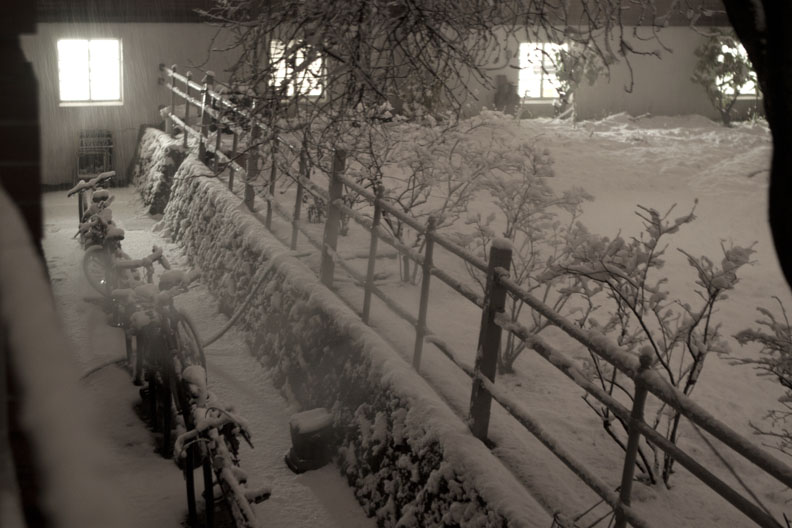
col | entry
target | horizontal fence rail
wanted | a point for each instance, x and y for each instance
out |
(499, 287)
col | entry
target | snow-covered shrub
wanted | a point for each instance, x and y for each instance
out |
(425, 168)
(641, 317)
(774, 335)
(724, 70)
(537, 221)
(158, 157)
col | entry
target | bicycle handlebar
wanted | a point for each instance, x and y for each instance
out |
(83, 185)
(145, 262)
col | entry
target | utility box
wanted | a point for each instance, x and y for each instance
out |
(312, 440)
(95, 154)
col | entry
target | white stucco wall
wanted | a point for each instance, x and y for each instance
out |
(144, 46)
(662, 85)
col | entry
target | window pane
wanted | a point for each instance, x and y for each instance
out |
(105, 70)
(530, 70)
(73, 70)
(278, 61)
(538, 70)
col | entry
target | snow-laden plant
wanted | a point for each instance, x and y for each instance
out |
(641, 315)
(725, 72)
(431, 168)
(574, 64)
(538, 222)
(774, 336)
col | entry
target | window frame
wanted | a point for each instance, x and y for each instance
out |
(544, 73)
(90, 101)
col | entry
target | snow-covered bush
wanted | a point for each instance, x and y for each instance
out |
(538, 222)
(774, 335)
(641, 316)
(725, 72)
(574, 64)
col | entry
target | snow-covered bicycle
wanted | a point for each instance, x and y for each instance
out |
(212, 442)
(93, 203)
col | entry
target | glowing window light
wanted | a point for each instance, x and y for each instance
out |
(89, 70)
(538, 79)
(747, 89)
(304, 80)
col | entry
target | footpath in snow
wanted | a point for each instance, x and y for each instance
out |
(153, 486)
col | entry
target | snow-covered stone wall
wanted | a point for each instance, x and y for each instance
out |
(156, 160)
(410, 459)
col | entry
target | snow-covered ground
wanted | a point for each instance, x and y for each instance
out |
(623, 161)
(153, 487)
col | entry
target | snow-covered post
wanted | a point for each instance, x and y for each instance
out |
(633, 437)
(298, 200)
(372, 257)
(333, 219)
(169, 121)
(205, 117)
(187, 106)
(231, 169)
(218, 137)
(423, 306)
(251, 172)
(489, 336)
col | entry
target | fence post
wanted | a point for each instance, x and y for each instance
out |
(489, 338)
(299, 197)
(633, 437)
(420, 329)
(231, 169)
(205, 117)
(333, 219)
(252, 165)
(372, 257)
(187, 106)
(273, 177)
(218, 137)
(169, 120)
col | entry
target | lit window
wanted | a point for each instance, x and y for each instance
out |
(289, 66)
(538, 70)
(738, 52)
(89, 71)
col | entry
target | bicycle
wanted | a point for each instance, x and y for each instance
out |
(215, 437)
(167, 343)
(97, 196)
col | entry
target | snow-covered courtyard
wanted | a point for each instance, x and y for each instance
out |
(623, 162)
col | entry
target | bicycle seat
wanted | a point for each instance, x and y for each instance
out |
(100, 196)
(114, 233)
(170, 279)
(124, 295)
(139, 320)
(146, 293)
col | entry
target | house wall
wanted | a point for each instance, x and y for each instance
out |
(661, 84)
(144, 46)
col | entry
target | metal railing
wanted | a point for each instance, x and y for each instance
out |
(493, 320)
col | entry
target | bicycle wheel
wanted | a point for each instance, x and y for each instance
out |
(188, 345)
(95, 269)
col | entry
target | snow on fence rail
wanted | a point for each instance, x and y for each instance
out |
(493, 322)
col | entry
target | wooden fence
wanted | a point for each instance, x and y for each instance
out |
(493, 319)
